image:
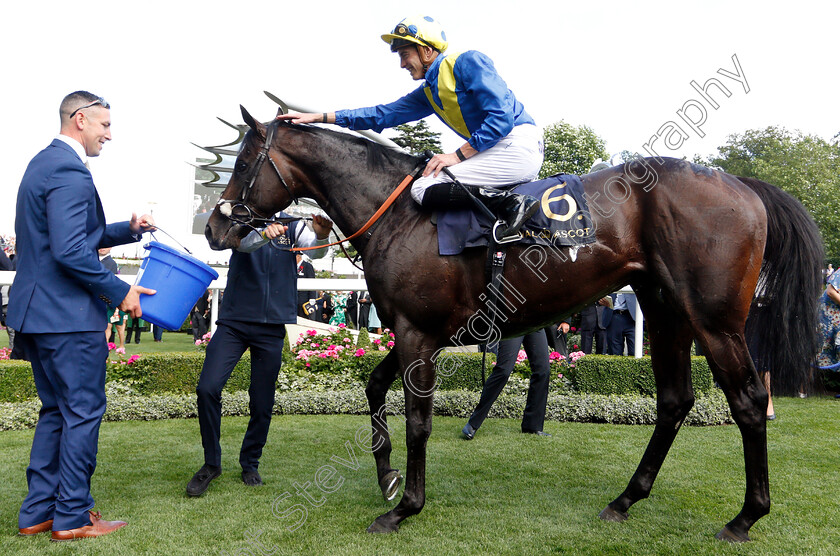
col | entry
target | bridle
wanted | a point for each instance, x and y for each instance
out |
(252, 217)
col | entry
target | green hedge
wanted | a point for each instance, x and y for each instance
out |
(615, 374)
(16, 382)
(125, 403)
(179, 372)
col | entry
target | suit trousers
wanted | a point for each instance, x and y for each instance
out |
(69, 372)
(226, 347)
(622, 330)
(536, 346)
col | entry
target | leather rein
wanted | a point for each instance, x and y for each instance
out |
(252, 217)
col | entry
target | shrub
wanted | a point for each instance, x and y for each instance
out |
(16, 382)
(615, 374)
(126, 403)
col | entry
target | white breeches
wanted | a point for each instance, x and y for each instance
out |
(515, 159)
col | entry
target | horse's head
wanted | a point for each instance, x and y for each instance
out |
(256, 190)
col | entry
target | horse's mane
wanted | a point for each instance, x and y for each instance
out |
(377, 156)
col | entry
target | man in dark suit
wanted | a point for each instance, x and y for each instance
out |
(364, 310)
(352, 309)
(594, 322)
(57, 306)
(259, 302)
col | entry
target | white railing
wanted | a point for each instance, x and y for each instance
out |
(324, 284)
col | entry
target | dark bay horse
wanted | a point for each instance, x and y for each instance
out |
(692, 242)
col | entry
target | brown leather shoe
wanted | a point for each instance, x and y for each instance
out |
(35, 529)
(97, 528)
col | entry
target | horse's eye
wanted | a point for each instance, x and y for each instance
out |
(240, 167)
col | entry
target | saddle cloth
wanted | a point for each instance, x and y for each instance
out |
(563, 219)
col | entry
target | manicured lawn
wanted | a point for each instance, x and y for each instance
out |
(502, 493)
(172, 341)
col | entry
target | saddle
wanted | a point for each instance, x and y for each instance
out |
(563, 219)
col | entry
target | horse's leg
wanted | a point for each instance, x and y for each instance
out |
(415, 352)
(380, 380)
(733, 369)
(670, 344)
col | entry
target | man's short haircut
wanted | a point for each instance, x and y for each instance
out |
(75, 100)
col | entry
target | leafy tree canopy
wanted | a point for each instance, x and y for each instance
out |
(805, 166)
(570, 149)
(418, 138)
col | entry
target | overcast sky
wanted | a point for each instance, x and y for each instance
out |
(623, 68)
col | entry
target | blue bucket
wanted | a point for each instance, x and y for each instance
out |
(179, 280)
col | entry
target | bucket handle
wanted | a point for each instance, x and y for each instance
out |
(159, 229)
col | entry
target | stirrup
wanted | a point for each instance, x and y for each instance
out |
(508, 239)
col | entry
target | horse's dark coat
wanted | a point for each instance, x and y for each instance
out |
(689, 240)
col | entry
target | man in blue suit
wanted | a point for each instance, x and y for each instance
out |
(57, 306)
(622, 328)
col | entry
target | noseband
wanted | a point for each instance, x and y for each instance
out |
(252, 217)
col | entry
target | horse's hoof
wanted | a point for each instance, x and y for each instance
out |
(609, 514)
(729, 536)
(390, 485)
(378, 527)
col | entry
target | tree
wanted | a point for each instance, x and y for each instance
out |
(570, 149)
(418, 138)
(805, 166)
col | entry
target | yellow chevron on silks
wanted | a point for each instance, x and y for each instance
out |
(450, 112)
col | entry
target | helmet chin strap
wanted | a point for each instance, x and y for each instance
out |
(426, 60)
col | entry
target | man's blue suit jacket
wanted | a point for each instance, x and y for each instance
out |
(60, 285)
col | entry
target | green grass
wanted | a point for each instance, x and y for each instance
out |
(172, 341)
(502, 493)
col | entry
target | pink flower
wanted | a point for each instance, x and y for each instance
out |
(377, 341)
(198, 342)
(342, 325)
(111, 345)
(311, 332)
(521, 356)
(120, 351)
(390, 344)
(359, 352)
(391, 335)
(347, 340)
(382, 348)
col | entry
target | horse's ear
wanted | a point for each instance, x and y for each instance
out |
(251, 122)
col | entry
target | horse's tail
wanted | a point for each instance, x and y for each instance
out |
(782, 327)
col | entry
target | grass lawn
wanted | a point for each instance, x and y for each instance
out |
(172, 341)
(502, 493)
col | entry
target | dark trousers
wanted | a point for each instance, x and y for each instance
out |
(157, 332)
(135, 328)
(225, 349)
(622, 330)
(536, 346)
(599, 335)
(69, 372)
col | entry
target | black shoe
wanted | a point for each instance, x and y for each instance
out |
(251, 478)
(468, 431)
(201, 480)
(538, 433)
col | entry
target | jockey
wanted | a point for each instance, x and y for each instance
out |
(503, 144)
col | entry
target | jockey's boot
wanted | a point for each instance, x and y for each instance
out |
(512, 208)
